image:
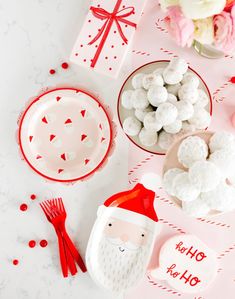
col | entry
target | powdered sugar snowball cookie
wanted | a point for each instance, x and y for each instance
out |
(168, 178)
(204, 175)
(152, 80)
(165, 140)
(185, 110)
(148, 137)
(224, 159)
(151, 123)
(141, 113)
(171, 98)
(166, 114)
(132, 126)
(159, 71)
(203, 99)
(139, 99)
(157, 95)
(200, 119)
(172, 76)
(222, 198)
(174, 127)
(196, 208)
(179, 64)
(126, 99)
(191, 79)
(222, 140)
(184, 189)
(187, 127)
(188, 93)
(192, 149)
(173, 89)
(137, 81)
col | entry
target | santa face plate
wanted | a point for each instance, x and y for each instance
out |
(65, 135)
(119, 251)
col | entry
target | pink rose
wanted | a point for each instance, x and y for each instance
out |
(224, 25)
(179, 27)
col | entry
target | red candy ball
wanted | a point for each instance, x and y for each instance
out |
(23, 207)
(32, 244)
(232, 79)
(15, 262)
(43, 243)
(64, 65)
(52, 72)
(33, 196)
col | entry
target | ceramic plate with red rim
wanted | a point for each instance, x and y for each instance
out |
(65, 134)
(124, 113)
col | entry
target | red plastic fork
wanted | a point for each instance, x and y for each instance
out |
(52, 212)
(51, 217)
(55, 205)
(68, 241)
(56, 214)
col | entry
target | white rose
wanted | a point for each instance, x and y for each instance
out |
(200, 9)
(204, 31)
(166, 3)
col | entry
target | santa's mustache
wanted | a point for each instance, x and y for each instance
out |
(123, 245)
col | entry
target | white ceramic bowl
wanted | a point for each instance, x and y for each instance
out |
(124, 113)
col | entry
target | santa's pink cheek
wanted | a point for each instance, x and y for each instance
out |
(144, 241)
(139, 237)
(140, 241)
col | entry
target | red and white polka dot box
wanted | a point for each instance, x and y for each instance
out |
(106, 35)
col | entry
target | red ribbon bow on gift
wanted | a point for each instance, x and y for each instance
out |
(117, 16)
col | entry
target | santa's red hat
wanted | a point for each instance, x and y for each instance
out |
(135, 206)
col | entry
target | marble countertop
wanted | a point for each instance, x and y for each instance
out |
(35, 37)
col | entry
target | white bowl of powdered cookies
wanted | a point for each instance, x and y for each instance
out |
(161, 101)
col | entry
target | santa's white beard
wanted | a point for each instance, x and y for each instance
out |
(118, 270)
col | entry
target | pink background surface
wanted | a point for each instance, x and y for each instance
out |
(153, 43)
